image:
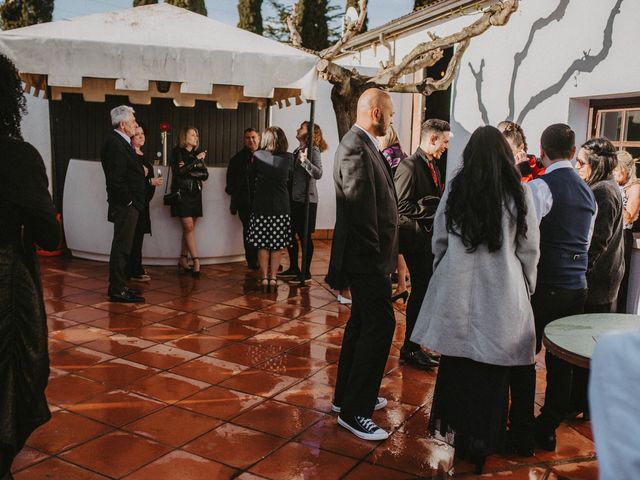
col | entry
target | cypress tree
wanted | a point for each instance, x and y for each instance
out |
(354, 4)
(313, 27)
(196, 6)
(250, 15)
(22, 13)
(139, 3)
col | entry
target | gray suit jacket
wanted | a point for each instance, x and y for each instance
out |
(312, 169)
(478, 305)
(365, 238)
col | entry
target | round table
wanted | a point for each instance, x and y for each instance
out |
(573, 338)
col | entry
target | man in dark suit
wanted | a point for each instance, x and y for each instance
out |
(125, 178)
(240, 187)
(419, 187)
(363, 254)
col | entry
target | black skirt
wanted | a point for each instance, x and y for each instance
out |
(190, 204)
(470, 406)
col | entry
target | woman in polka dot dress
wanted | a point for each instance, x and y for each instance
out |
(270, 222)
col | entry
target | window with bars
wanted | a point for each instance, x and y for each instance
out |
(621, 126)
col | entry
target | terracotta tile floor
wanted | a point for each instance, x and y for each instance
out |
(213, 379)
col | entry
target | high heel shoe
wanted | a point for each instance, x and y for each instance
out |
(402, 295)
(273, 284)
(181, 266)
(264, 283)
(195, 273)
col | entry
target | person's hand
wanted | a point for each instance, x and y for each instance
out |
(201, 155)
(181, 163)
(303, 157)
(146, 170)
(520, 157)
(156, 182)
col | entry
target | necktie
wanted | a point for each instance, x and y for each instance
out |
(434, 175)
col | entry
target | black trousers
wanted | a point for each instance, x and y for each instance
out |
(297, 233)
(134, 264)
(420, 264)
(250, 252)
(627, 237)
(365, 345)
(548, 304)
(125, 220)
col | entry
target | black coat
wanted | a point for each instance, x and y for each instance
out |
(239, 183)
(123, 173)
(150, 190)
(271, 173)
(26, 216)
(414, 182)
(365, 238)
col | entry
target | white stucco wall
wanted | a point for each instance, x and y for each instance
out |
(569, 40)
(36, 131)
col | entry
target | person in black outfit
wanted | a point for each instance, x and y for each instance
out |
(311, 169)
(270, 222)
(135, 270)
(364, 252)
(241, 188)
(188, 172)
(419, 187)
(126, 196)
(27, 216)
(565, 207)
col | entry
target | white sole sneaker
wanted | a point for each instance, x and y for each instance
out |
(377, 435)
(381, 402)
(344, 300)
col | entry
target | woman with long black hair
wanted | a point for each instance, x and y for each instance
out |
(27, 216)
(477, 313)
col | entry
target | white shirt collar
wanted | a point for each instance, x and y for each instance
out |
(373, 139)
(123, 135)
(557, 165)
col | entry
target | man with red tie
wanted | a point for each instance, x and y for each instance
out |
(419, 187)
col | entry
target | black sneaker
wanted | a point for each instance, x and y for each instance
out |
(363, 427)
(381, 402)
(289, 273)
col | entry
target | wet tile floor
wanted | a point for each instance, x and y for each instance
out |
(213, 379)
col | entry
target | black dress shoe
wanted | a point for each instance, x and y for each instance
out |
(418, 359)
(546, 440)
(125, 297)
(133, 291)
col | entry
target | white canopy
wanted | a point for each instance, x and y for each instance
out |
(160, 42)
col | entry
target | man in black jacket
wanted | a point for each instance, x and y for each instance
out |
(126, 196)
(240, 187)
(419, 186)
(363, 255)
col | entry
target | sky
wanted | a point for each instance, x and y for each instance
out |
(380, 11)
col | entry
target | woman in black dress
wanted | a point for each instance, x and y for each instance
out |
(188, 172)
(27, 216)
(270, 222)
(135, 270)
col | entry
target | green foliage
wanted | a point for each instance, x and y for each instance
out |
(22, 13)
(196, 6)
(250, 15)
(139, 3)
(328, 15)
(418, 4)
(312, 25)
(354, 4)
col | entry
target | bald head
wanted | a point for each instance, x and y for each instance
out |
(375, 111)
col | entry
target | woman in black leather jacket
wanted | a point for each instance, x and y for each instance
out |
(188, 172)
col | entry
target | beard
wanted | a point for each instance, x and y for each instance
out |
(380, 129)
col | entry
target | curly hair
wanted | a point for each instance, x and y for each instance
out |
(12, 101)
(486, 181)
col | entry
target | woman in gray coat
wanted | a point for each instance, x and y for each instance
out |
(477, 312)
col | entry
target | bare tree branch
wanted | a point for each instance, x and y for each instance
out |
(292, 22)
(429, 85)
(496, 15)
(351, 29)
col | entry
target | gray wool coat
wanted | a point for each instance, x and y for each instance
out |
(478, 304)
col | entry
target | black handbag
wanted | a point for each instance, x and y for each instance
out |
(171, 198)
(199, 172)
